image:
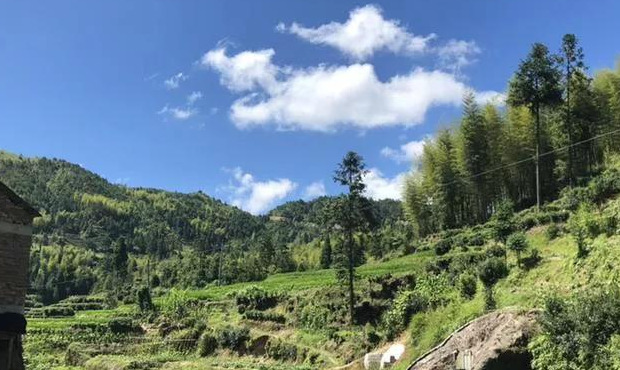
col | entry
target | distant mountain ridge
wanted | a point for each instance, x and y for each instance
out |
(87, 209)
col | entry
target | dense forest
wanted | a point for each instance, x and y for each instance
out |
(91, 227)
(554, 132)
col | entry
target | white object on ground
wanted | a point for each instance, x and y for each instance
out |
(392, 354)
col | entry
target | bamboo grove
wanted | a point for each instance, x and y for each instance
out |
(556, 117)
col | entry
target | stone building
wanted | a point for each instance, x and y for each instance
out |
(15, 238)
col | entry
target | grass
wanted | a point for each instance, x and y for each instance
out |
(558, 272)
(96, 317)
(298, 281)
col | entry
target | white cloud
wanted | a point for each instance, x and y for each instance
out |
(178, 113)
(323, 98)
(406, 153)
(194, 97)
(315, 190)
(327, 97)
(244, 71)
(456, 54)
(255, 196)
(175, 81)
(381, 187)
(363, 34)
(490, 97)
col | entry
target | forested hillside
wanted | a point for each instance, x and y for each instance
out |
(91, 227)
(557, 115)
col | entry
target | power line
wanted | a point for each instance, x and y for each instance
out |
(533, 157)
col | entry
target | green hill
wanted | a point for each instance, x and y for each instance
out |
(300, 314)
(179, 235)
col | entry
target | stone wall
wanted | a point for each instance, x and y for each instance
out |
(15, 240)
(14, 255)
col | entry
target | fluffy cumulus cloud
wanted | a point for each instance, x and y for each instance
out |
(315, 190)
(364, 33)
(379, 186)
(325, 97)
(408, 152)
(178, 113)
(175, 81)
(256, 196)
(367, 32)
(245, 71)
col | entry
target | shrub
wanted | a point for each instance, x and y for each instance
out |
(468, 285)
(518, 243)
(207, 344)
(490, 272)
(502, 220)
(443, 246)
(580, 332)
(579, 224)
(55, 311)
(528, 221)
(123, 325)
(314, 317)
(255, 298)
(477, 239)
(371, 337)
(553, 231)
(605, 185)
(571, 198)
(144, 300)
(280, 350)
(396, 319)
(177, 303)
(233, 338)
(256, 315)
(95, 327)
(496, 250)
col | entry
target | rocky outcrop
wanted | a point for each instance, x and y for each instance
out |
(497, 340)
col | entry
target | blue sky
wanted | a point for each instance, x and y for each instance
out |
(255, 102)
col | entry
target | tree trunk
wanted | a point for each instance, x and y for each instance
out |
(537, 157)
(351, 264)
(351, 277)
(569, 128)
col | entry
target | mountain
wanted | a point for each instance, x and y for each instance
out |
(84, 208)
(102, 227)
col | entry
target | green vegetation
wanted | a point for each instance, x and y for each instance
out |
(126, 278)
(557, 128)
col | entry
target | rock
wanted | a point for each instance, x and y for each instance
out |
(495, 341)
(372, 361)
